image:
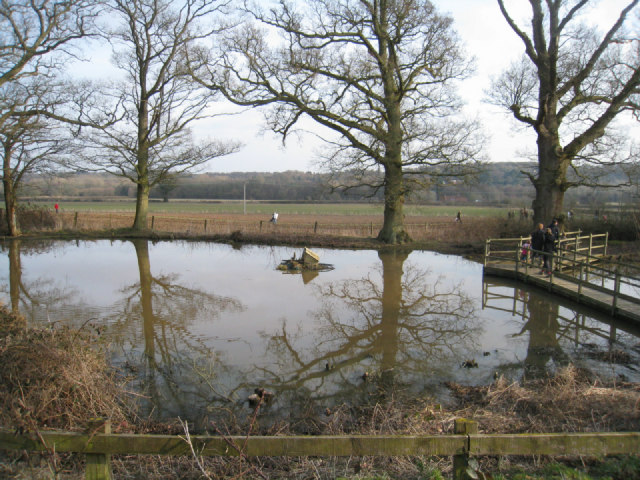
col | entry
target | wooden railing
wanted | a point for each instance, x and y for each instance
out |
(466, 442)
(573, 243)
(577, 260)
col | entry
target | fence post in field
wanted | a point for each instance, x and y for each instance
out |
(371, 229)
(205, 225)
(153, 221)
(75, 221)
(463, 426)
(315, 227)
(98, 465)
(260, 225)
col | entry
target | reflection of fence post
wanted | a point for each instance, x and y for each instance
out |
(98, 464)
(462, 426)
(75, 221)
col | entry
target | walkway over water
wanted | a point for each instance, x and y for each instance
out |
(578, 272)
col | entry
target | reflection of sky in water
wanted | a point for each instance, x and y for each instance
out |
(241, 303)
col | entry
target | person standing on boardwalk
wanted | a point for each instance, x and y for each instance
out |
(537, 241)
(548, 246)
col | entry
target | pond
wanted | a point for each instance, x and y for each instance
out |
(198, 326)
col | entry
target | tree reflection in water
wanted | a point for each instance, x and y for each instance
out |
(175, 366)
(37, 299)
(395, 325)
(543, 327)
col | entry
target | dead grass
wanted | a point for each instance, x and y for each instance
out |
(54, 378)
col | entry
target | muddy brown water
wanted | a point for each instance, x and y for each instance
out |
(198, 326)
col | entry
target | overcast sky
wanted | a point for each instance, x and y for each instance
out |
(486, 37)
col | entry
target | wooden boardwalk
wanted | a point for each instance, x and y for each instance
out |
(573, 277)
(620, 306)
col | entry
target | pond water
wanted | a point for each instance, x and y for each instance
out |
(199, 326)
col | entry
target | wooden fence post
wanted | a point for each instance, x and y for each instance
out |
(315, 227)
(98, 465)
(462, 426)
(616, 292)
(260, 225)
(205, 225)
(75, 221)
(153, 221)
(371, 229)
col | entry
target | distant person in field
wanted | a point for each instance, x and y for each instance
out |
(274, 218)
(459, 216)
(56, 206)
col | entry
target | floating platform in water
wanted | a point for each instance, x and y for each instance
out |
(308, 264)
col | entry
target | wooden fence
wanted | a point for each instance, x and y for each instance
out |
(211, 225)
(463, 444)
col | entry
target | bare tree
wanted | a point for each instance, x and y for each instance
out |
(29, 143)
(379, 74)
(37, 37)
(157, 101)
(571, 84)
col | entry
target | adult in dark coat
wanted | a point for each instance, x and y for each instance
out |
(548, 246)
(537, 241)
(554, 228)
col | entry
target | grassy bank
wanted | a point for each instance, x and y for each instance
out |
(56, 378)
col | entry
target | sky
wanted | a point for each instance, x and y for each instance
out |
(486, 37)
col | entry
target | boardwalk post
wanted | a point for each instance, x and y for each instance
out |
(606, 242)
(616, 292)
(462, 426)
(98, 465)
(486, 250)
(580, 281)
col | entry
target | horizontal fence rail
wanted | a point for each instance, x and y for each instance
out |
(465, 442)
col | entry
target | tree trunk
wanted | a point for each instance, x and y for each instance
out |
(142, 207)
(393, 226)
(10, 198)
(142, 167)
(551, 182)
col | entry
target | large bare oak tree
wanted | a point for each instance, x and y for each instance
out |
(571, 84)
(378, 74)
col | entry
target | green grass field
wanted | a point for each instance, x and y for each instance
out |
(236, 207)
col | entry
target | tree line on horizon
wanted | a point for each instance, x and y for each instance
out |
(498, 184)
